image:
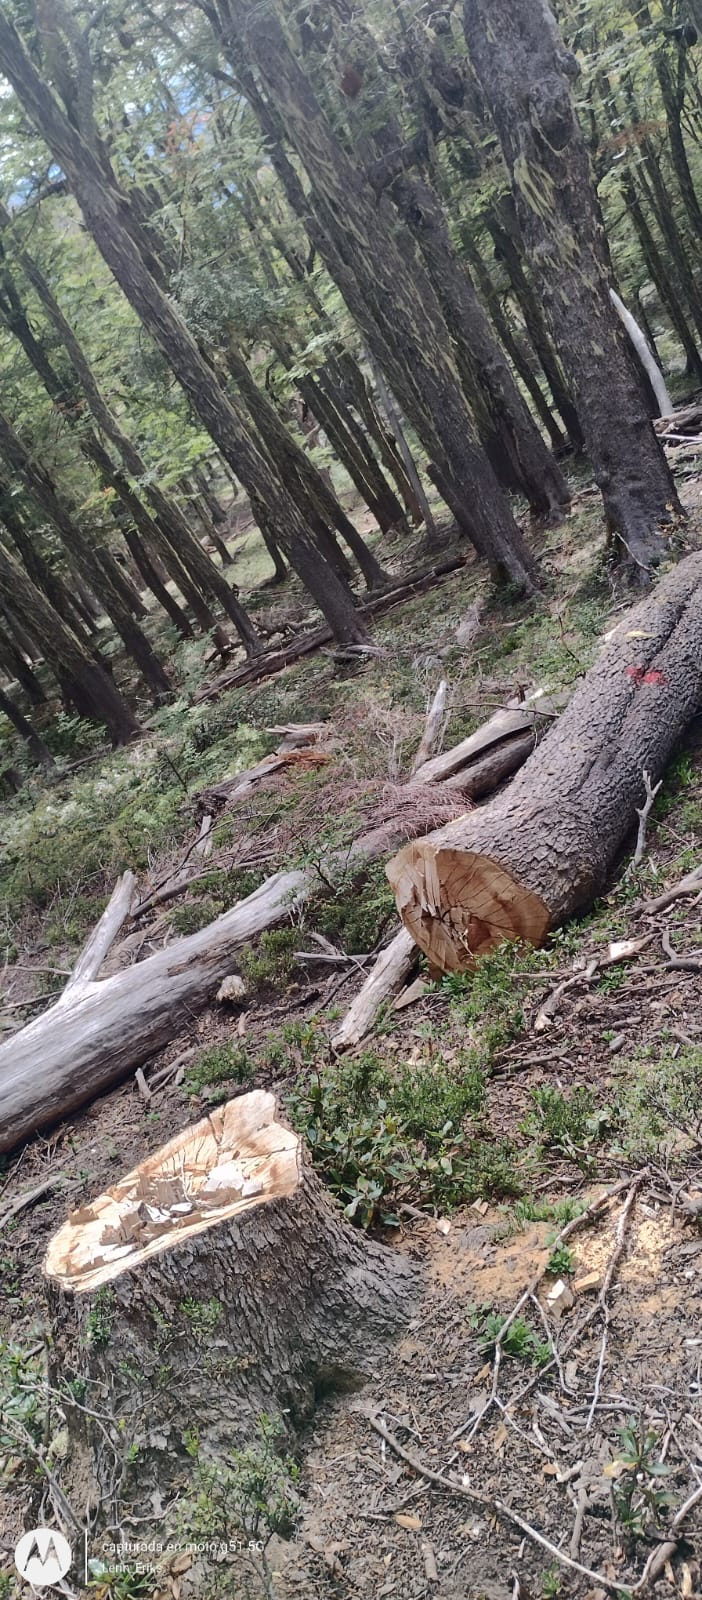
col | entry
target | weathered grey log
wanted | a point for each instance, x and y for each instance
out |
(214, 1283)
(543, 849)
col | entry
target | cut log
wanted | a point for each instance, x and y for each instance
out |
(543, 849)
(394, 964)
(215, 1283)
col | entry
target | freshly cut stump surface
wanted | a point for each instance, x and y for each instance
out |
(213, 1284)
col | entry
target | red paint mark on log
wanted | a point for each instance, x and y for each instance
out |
(639, 676)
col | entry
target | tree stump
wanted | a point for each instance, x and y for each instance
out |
(215, 1283)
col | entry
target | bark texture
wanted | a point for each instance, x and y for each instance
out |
(542, 850)
(526, 74)
(293, 1301)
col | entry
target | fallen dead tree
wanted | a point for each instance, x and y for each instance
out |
(266, 664)
(542, 850)
(226, 1216)
(98, 1032)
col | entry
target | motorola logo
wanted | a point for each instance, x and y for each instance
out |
(43, 1556)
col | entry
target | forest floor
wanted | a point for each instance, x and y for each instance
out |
(470, 1130)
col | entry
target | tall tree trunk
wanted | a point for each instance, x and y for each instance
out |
(189, 565)
(504, 228)
(526, 72)
(510, 342)
(316, 502)
(672, 87)
(72, 405)
(107, 215)
(654, 187)
(91, 690)
(41, 753)
(19, 668)
(388, 292)
(40, 571)
(511, 439)
(40, 488)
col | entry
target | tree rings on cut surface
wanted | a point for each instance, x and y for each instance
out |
(458, 904)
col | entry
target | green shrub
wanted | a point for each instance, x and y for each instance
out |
(381, 1136)
(222, 1063)
(270, 963)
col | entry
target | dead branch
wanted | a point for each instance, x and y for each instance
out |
(394, 964)
(566, 1231)
(102, 937)
(498, 1509)
(603, 1297)
(433, 728)
(643, 813)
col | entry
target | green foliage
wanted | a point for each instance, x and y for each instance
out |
(203, 1317)
(221, 1063)
(637, 1470)
(354, 917)
(520, 1341)
(551, 1582)
(251, 1494)
(487, 999)
(660, 1105)
(381, 1135)
(22, 1398)
(569, 1124)
(98, 1324)
(529, 1210)
(270, 963)
(561, 1262)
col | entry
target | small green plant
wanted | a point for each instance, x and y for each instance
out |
(560, 1262)
(98, 1325)
(271, 962)
(222, 1063)
(381, 1135)
(251, 1494)
(660, 1105)
(567, 1124)
(529, 1210)
(191, 1440)
(637, 1471)
(204, 1316)
(551, 1580)
(520, 1341)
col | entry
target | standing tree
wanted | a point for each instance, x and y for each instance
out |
(84, 683)
(526, 75)
(380, 274)
(117, 228)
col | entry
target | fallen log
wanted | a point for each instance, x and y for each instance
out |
(222, 1261)
(100, 1032)
(543, 849)
(267, 665)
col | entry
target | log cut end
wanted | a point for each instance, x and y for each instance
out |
(236, 1158)
(458, 904)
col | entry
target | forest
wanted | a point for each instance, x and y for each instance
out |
(350, 799)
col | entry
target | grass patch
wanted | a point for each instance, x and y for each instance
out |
(222, 1063)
